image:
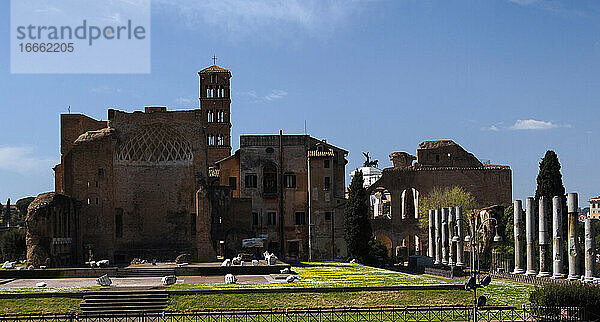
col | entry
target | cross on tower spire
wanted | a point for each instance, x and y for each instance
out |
(214, 58)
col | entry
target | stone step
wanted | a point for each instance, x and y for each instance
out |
(112, 302)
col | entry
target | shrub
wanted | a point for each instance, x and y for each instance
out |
(568, 295)
(12, 245)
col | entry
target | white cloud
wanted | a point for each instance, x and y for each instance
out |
(250, 16)
(184, 100)
(22, 160)
(491, 128)
(275, 95)
(534, 125)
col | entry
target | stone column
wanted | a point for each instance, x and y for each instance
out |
(557, 238)
(431, 247)
(530, 235)
(573, 247)
(438, 237)
(460, 245)
(451, 252)
(445, 236)
(543, 238)
(590, 250)
(519, 242)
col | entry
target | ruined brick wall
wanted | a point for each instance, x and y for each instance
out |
(51, 230)
(445, 153)
(439, 164)
(137, 181)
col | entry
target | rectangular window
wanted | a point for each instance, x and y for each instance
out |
(250, 181)
(233, 183)
(100, 173)
(119, 223)
(255, 218)
(328, 215)
(326, 164)
(290, 180)
(327, 183)
(271, 218)
(300, 218)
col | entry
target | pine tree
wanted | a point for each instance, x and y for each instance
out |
(358, 231)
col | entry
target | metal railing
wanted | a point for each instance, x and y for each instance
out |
(402, 314)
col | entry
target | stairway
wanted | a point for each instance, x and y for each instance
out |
(124, 302)
(145, 272)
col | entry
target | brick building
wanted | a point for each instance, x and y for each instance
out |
(147, 184)
(395, 196)
(296, 185)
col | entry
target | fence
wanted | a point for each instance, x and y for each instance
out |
(404, 314)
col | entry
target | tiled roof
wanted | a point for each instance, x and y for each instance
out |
(215, 69)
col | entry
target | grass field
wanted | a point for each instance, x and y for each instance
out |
(306, 300)
(45, 305)
(311, 275)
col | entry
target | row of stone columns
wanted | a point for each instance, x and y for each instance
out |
(443, 223)
(557, 243)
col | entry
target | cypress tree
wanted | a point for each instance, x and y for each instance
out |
(6, 214)
(357, 227)
(549, 185)
(549, 179)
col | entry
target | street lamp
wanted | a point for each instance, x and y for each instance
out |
(471, 284)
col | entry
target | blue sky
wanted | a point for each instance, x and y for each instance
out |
(507, 80)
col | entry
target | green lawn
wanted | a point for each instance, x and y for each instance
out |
(304, 300)
(345, 274)
(311, 275)
(332, 275)
(44, 305)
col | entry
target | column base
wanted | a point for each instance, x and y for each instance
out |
(543, 274)
(460, 264)
(444, 263)
(573, 277)
(559, 276)
(530, 273)
(436, 262)
(518, 271)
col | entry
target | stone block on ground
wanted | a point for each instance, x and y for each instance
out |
(226, 262)
(104, 280)
(168, 280)
(230, 279)
(41, 284)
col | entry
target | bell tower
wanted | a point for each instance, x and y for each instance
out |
(215, 103)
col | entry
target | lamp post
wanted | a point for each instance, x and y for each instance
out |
(472, 283)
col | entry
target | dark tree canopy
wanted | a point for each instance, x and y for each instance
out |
(22, 205)
(6, 213)
(549, 179)
(357, 227)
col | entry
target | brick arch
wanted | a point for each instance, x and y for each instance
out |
(383, 237)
